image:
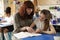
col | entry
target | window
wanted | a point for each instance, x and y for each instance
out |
(1, 8)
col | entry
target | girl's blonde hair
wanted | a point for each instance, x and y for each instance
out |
(48, 16)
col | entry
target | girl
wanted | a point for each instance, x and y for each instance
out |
(43, 23)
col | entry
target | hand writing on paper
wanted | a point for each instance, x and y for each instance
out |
(24, 28)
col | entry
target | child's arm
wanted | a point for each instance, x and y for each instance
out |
(30, 29)
(37, 30)
(52, 30)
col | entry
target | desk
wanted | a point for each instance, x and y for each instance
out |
(2, 25)
(57, 24)
(41, 37)
(57, 27)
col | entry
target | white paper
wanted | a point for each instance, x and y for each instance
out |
(25, 34)
(5, 24)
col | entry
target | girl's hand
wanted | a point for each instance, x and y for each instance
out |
(29, 29)
(24, 28)
(38, 31)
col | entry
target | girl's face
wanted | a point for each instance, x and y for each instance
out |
(29, 10)
(8, 15)
(42, 17)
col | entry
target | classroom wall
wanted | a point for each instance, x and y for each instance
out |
(53, 11)
(48, 2)
(1, 8)
(45, 4)
(41, 3)
(11, 4)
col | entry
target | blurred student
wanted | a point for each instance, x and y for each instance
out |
(43, 23)
(8, 19)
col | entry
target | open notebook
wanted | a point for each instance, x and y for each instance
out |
(25, 34)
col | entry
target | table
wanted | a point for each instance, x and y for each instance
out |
(57, 27)
(41, 37)
(2, 25)
(57, 24)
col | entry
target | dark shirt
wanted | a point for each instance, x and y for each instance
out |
(19, 22)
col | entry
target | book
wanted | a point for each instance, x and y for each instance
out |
(25, 35)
